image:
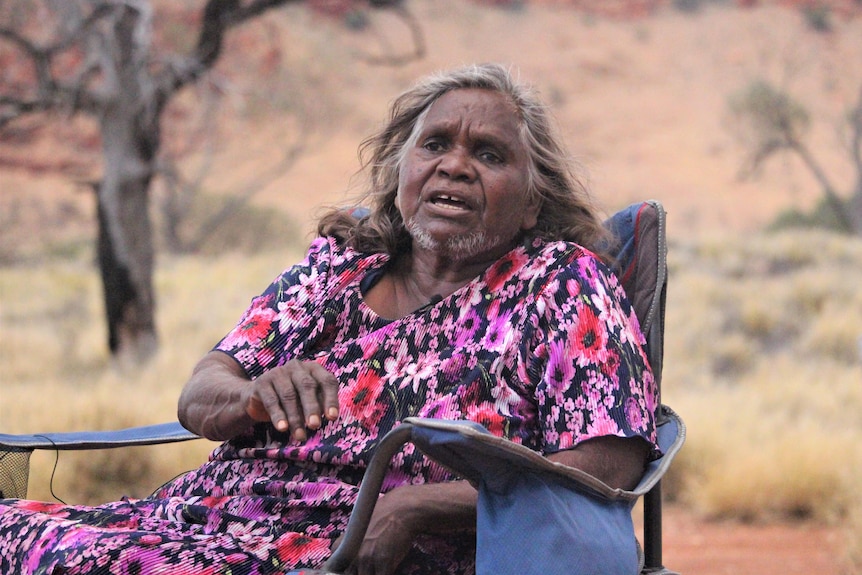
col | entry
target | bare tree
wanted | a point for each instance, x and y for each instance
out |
(96, 57)
(772, 122)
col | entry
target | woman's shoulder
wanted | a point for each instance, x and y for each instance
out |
(560, 260)
(331, 251)
(560, 253)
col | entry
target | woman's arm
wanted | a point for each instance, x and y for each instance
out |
(214, 400)
(617, 461)
(219, 401)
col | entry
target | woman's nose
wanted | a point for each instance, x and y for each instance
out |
(456, 164)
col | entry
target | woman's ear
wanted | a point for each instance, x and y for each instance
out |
(531, 212)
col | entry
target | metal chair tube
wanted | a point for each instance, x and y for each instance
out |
(369, 491)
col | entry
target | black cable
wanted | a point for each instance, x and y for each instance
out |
(54, 470)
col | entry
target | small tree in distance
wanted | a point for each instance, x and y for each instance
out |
(101, 59)
(771, 122)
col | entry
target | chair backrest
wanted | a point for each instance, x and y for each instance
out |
(640, 261)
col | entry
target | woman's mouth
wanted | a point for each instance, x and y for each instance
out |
(449, 202)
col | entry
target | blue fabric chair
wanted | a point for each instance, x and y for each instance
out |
(534, 516)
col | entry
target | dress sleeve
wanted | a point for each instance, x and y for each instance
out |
(594, 376)
(278, 323)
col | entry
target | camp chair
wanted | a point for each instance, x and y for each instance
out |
(533, 515)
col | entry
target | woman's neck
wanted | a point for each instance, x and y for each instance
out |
(410, 283)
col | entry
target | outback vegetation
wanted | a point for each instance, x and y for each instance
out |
(114, 63)
(763, 349)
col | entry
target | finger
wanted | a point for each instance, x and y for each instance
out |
(313, 383)
(328, 390)
(256, 409)
(290, 404)
(266, 395)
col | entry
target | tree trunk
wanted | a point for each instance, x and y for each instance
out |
(125, 244)
(854, 207)
(127, 273)
(130, 142)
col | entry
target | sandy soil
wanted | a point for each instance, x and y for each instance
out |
(642, 103)
(694, 546)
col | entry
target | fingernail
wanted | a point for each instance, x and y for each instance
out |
(314, 422)
(281, 425)
(332, 413)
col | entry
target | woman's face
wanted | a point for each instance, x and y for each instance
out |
(462, 188)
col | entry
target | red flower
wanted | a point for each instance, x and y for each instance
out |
(488, 417)
(505, 268)
(299, 549)
(255, 326)
(590, 338)
(361, 398)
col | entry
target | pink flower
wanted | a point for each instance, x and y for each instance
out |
(150, 539)
(560, 369)
(634, 414)
(235, 558)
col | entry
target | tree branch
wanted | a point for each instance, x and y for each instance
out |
(12, 108)
(832, 198)
(218, 17)
(41, 61)
(418, 39)
(51, 93)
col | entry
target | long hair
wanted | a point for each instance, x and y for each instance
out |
(566, 211)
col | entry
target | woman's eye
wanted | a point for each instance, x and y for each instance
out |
(490, 157)
(433, 146)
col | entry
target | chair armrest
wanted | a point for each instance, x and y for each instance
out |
(471, 451)
(15, 449)
(81, 440)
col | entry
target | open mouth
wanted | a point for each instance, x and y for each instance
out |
(449, 202)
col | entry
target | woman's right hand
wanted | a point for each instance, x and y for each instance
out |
(219, 402)
(295, 397)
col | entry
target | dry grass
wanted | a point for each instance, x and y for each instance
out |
(764, 362)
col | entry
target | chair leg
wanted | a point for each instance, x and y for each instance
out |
(652, 531)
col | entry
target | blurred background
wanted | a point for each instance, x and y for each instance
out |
(743, 117)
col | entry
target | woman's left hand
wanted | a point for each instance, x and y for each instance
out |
(408, 511)
(388, 538)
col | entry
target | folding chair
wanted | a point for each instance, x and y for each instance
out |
(533, 515)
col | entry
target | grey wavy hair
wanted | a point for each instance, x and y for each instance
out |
(567, 212)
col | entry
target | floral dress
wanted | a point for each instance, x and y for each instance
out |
(543, 348)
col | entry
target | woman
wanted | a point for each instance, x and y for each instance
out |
(466, 292)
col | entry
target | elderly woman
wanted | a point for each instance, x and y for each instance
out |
(465, 290)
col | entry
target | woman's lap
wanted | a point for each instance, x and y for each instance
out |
(195, 536)
(147, 537)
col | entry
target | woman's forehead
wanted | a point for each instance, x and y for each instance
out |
(475, 109)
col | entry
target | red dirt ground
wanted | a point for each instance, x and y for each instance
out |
(695, 546)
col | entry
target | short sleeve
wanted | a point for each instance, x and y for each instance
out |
(594, 376)
(281, 320)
